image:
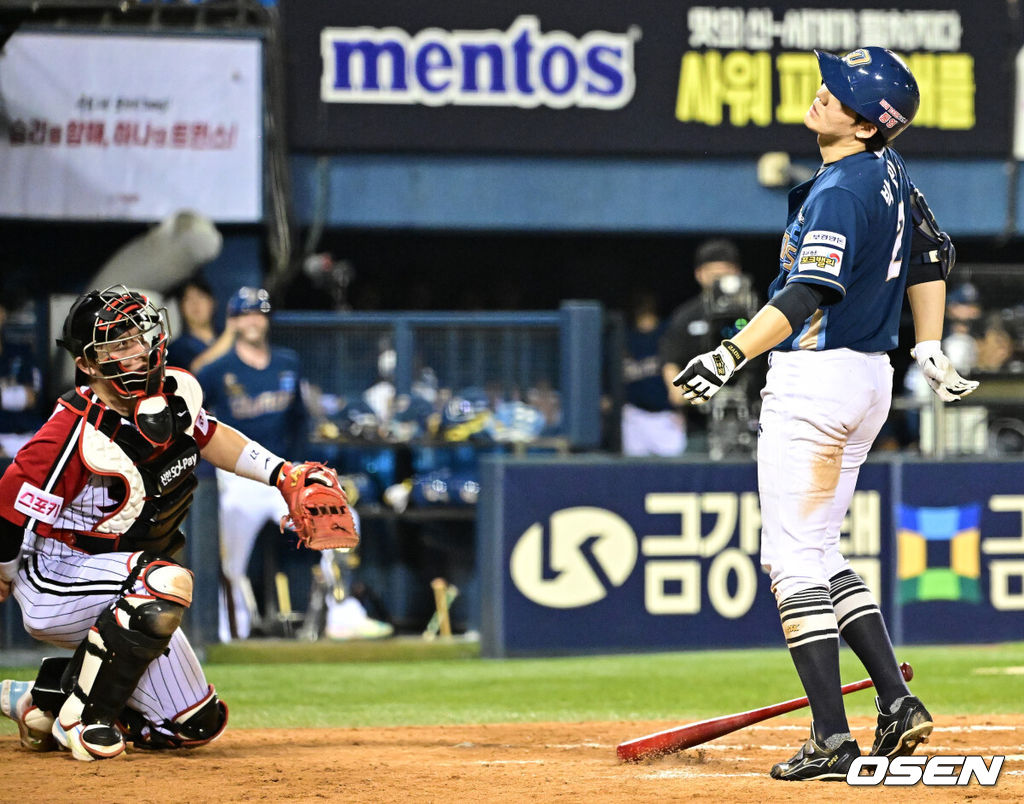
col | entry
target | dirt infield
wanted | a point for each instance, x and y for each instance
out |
(549, 762)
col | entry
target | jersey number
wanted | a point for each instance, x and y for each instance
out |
(897, 248)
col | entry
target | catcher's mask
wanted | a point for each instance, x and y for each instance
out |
(124, 335)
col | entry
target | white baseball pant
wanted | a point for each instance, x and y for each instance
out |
(820, 414)
(62, 591)
(245, 506)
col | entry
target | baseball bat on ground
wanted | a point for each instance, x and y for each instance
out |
(680, 737)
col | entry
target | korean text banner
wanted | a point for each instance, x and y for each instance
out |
(130, 127)
(644, 77)
(597, 556)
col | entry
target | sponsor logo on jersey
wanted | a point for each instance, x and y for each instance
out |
(820, 258)
(521, 67)
(833, 239)
(185, 464)
(38, 504)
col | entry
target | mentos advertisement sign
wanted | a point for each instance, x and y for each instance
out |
(644, 77)
(522, 66)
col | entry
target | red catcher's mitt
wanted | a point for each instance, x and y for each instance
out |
(318, 510)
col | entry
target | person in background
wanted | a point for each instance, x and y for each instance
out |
(196, 303)
(688, 331)
(651, 425)
(20, 385)
(258, 388)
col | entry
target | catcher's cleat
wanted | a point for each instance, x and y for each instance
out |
(813, 763)
(95, 741)
(33, 723)
(899, 733)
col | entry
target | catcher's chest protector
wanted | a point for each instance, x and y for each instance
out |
(158, 482)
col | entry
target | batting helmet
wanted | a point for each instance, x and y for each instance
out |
(249, 300)
(116, 327)
(875, 83)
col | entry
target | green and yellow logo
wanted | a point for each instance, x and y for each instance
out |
(939, 553)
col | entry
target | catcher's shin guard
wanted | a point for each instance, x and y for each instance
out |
(198, 725)
(107, 666)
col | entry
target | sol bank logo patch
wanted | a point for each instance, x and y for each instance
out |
(583, 551)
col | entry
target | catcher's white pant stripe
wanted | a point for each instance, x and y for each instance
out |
(820, 414)
(66, 590)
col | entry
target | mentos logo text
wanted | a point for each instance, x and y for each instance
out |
(520, 67)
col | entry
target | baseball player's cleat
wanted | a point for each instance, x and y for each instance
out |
(95, 741)
(899, 733)
(813, 763)
(33, 723)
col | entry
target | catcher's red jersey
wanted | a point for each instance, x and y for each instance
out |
(49, 488)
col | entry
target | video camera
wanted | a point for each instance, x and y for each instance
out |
(729, 303)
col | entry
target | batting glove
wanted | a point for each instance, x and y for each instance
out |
(706, 373)
(943, 379)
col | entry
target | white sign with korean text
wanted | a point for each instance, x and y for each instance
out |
(113, 127)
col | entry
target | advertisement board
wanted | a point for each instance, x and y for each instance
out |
(130, 127)
(645, 78)
(589, 556)
(960, 539)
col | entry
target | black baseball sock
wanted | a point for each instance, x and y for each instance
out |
(809, 624)
(861, 624)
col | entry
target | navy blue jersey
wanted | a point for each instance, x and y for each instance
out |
(18, 368)
(184, 349)
(264, 404)
(641, 370)
(849, 231)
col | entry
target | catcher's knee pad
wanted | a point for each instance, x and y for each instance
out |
(155, 610)
(198, 725)
(163, 578)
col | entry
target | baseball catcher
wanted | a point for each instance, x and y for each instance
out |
(90, 516)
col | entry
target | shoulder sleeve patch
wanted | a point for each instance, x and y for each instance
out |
(820, 258)
(38, 504)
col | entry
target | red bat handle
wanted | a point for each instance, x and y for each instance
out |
(680, 737)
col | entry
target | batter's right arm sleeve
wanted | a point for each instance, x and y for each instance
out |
(798, 301)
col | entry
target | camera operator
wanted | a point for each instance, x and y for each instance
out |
(725, 301)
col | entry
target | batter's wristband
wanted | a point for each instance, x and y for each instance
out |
(735, 353)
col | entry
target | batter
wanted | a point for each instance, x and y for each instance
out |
(858, 237)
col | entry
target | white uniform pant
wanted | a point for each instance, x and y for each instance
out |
(245, 506)
(820, 413)
(646, 432)
(62, 592)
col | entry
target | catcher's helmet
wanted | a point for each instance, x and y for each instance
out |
(118, 326)
(249, 300)
(875, 83)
